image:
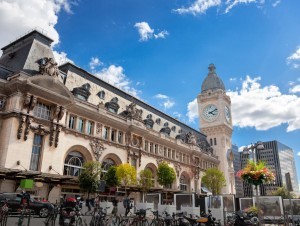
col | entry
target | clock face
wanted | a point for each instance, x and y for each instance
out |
(210, 113)
(227, 114)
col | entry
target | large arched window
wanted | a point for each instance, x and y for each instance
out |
(106, 164)
(73, 164)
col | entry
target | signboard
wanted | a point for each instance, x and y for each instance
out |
(26, 184)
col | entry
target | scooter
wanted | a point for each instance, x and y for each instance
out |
(244, 219)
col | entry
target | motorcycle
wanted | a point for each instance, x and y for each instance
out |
(203, 220)
(244, 219)
(68, 216)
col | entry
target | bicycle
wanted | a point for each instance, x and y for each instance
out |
(50, 221)
(156, 221)
(99, 217)
(3, 213)
(24, 212)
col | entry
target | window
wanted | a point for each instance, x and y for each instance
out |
(169, 153)
(215, 141)
(146, 145)
(101, 94)
(72, 122)
(151, 147)
(120, 137)
(113, 135)
(36, 152)
(165, 151)
(155, 149)
(73, 164)
(42, 111)
(90, 126)
(183, 183)
(173, 154)
(105, 133)
(133, 162)
(80, 125)
(184, 158)
(211, 142)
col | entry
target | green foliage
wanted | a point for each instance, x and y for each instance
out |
(165, 174)
(284, 193)
(126, 174)
(214, 180)
(111, 177)
(90, 177)
(146, 179)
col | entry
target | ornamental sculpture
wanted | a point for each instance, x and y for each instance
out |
(132, 112)
(48, 66)
(97, 148)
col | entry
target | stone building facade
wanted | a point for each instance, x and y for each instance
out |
(54, 118)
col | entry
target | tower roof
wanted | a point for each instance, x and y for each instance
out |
(212, 81)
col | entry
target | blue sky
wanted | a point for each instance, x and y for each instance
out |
(159, 51)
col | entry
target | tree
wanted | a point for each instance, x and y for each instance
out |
(284, 193)
(145, 181)
(165, 175)
(111, 178)
(214, 180)
(90, 177)
(126, 174)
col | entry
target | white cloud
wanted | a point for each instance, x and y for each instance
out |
(192, 109)
(166, 101)
(276, 3)
(61, 58)
(115, 76)
(259, 107)
(177, 115)
(201, 6)
(18, 17)
(232, 79)
(295, 89)
(146, 32)
(232, 3)
(294, 59)
(95, 62)
(298, 153)
(198, 7)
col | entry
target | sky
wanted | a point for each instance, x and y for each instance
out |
(159, 51)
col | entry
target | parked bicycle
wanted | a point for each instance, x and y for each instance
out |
(3, 213)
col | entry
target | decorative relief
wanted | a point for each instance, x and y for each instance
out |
(48, 67)
(40, 129)
(51, 138)
(98, 128)
(61, 113)
(177, 169)
(191, 139)
(22, 119)
(29, 102)
(132, 112)
(97, 148)
(28, 124)
(54, 112)
(58, 129)
(2, 102)
(128, 138)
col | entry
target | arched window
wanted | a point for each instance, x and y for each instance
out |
(183, 183)
(73, 164)
(106, 164)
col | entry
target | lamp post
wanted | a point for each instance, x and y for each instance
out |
(253, 148)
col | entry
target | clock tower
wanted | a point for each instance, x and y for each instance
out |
(214, 108)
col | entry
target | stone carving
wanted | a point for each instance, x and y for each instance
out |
(54, 112)
(61, 113)
(97, 148)
(128, 138)
(98, 128)
(177, 169)
(29, 102)
(48, 66)
(28, 124)
(22, 119)
(132, 112)
(191, 139)
(40, 129)
(51, 138)
(58, 129)
(2, 102)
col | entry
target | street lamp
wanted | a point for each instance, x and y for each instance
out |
(253, 148)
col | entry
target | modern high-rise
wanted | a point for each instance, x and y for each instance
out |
(280, 159)
(237, 167)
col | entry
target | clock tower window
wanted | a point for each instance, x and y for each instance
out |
(211, 142)
(215, 141)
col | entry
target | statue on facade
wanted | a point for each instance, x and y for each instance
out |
(48, 66)
(132, 112)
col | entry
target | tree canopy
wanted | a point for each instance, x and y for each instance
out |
(126, 174)
(90, 177)
(214, 180)
(165, 174)
(284, 193)
(145, 180)
(111, 178)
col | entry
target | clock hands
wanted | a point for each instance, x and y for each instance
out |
(212, 112)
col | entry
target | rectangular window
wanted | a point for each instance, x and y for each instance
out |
(165, 151)
(169, 153)
(151, 147)
(173, 154)
(184, 158)
(80, 125)
(105, 133)
(133, 162)
(42, 111)
(72, 122)
(211, 141)
(155, 149)
(90, 128)
(113, 135)
(120, 137)
(36, 152)
(180, 157)
(215, 141)
(146, 145)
